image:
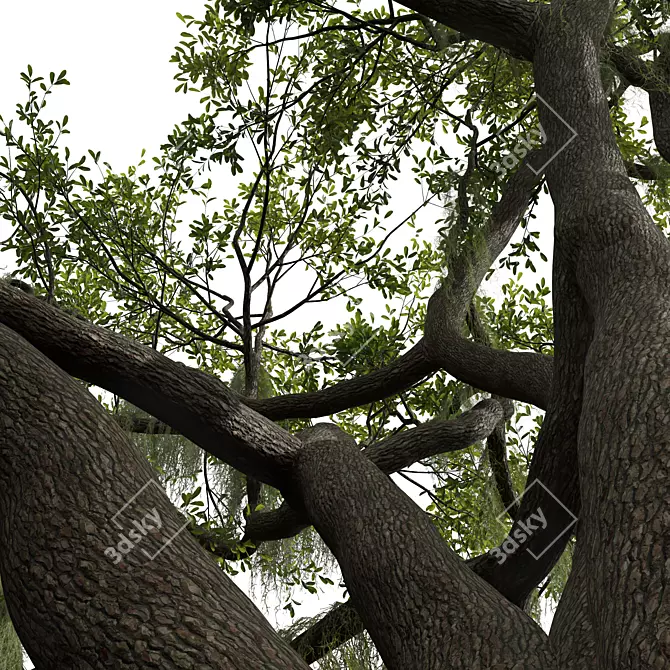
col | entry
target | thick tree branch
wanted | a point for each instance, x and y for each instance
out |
(404, 372)
(553, 473)
(630, 66)
(68, 471)
(653, 77)
(496, 442)
(517, 375)
(416, 598)
(333, 629)
(508, 24)
(390, 455)
(553, 464)
(198, 405)
(611, 250)
(435, 437)
(463, 284)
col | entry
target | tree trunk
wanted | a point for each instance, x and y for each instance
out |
(66, 469)
(619, 263)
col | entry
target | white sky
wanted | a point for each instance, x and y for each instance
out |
(121, 97)
(117, 58)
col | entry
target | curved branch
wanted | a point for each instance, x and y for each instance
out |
(390, 455)
(198, 405)
(553, 481)
(333, 629)
(517, 375)
(496, 443)
(521, 376)
(655, 79)
(553, 462)
(659, 102)
(402, 373)
(435, 437)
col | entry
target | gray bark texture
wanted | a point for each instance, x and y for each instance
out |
(66, 468)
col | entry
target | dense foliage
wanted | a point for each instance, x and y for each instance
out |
(341, 154)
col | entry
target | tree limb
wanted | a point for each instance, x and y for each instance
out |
(68, 471)
(198, 405)
(496, 449)
(390, 455)
(508, 24)
(399, 375)
(517, 375)
(416, 598)
(333, 629)
(659, 101)
(653, 77)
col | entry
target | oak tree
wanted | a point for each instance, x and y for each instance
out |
(487, 104)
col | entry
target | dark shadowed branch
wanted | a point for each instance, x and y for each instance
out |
(197, 404)
(508, 24)
(390, 455)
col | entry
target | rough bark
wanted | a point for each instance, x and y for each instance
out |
(198, 405)
(607, 413)
(599, 213)
(402, 577)
(517, 375)
(10, 314)
(496, 451)
(571, 633)
(507, 368)
(620, 263)
(653, 77)
(512, 374)
(66, 469)
(390, 455)
(553, 472)
(509, 24)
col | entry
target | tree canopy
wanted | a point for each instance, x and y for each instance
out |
(386, 162)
